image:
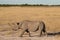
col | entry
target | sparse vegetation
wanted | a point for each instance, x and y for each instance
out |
(8, 5)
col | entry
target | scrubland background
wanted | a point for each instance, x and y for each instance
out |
(50, 15)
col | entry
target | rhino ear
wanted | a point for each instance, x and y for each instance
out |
(8, 23)
(18, 23)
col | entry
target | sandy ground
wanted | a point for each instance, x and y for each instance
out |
(50, 15)
(29, 38)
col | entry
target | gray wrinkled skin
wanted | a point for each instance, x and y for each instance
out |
(31, 26)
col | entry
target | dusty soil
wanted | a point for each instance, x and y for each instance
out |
(29, 38)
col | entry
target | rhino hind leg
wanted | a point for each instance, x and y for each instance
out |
(40, 33)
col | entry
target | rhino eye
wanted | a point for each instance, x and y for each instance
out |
(17, 23)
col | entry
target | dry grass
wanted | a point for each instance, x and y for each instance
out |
(50, 15)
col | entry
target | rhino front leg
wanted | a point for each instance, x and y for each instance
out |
(22, 32)
(28, 32)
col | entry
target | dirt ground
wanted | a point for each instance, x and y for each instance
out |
(50, 15)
